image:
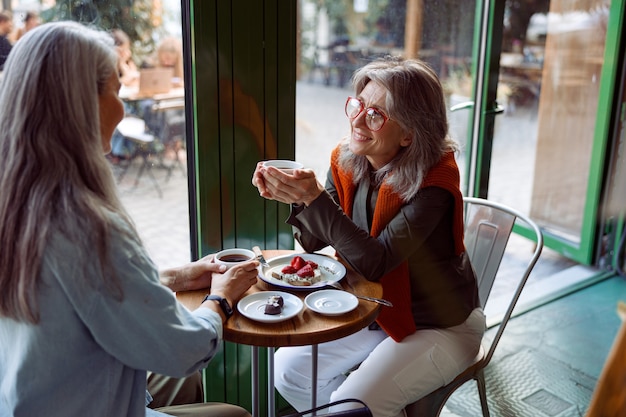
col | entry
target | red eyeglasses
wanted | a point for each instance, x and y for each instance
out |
(374, 118)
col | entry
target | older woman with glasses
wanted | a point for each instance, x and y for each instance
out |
(392, 209)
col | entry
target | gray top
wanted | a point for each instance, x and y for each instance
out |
(89, 353)
(443, 285)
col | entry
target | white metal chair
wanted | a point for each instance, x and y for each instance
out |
(488, 226)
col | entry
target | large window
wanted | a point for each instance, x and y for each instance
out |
(150, 161)
(336, 37)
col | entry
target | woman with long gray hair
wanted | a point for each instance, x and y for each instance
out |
(393, 211)
(83, 313)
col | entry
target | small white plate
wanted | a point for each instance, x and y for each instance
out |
(331, 270)
(331, 302)
(253, 306)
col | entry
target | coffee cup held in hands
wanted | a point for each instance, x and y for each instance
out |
(283, 164)
(234, 256)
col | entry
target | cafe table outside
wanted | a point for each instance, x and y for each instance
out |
(306, 328)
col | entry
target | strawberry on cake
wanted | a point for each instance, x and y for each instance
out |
(299, 272)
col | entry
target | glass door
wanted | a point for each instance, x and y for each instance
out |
(555, 83)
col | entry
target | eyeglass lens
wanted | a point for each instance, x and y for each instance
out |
(373, 118)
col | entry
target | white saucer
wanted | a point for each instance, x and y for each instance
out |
(331, 302)
(253, 306)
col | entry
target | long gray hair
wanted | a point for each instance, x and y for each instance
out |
(416, 102)
(53, 173)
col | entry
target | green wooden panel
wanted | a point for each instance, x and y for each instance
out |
(206, 122)
(243, 81)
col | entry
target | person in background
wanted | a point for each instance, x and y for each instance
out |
(84, 313)
(126, 67)
(31, 20)
(121, 147)
(393, 211)
(6, 26)
(169, 54)
(383, 36)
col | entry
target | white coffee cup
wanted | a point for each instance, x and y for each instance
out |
(283, 164)
(233, 256)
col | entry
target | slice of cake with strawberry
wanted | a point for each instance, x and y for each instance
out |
(299, 272)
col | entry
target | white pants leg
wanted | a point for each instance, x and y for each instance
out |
(292, 366)
(397, 374)
(391, 374)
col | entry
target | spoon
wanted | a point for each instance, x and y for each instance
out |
(338, 286)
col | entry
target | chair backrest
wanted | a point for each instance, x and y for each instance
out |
(134, 128)
(488, 226)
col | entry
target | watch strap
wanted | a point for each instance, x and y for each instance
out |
(223, 303)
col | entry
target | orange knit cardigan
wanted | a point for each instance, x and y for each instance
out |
(398, 321)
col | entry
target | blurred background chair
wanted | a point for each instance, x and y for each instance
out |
(488, 226)
(166, 121)
(145, 147)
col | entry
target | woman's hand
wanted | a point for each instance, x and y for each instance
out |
(192, 276)
(300, 186)
(232, 284)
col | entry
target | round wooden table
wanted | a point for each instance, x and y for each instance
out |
(307, 328)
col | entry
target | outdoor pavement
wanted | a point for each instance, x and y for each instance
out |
(162, 221)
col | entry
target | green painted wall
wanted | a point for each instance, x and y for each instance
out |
(243, 96)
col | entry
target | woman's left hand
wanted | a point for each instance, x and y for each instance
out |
(192, 276)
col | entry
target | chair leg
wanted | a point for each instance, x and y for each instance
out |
(482, 392)
(146, 167)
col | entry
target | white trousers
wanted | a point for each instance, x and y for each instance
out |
(390, 375)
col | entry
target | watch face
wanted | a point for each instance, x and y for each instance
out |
(226, 307)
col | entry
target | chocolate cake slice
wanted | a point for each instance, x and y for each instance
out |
(274, 305)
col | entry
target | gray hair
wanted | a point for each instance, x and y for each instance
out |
(53, 173)
(415, 100)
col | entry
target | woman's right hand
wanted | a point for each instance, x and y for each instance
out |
(233, 283)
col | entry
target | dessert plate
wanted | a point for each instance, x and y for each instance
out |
(331, 302)
(331, 270)
(253, 306)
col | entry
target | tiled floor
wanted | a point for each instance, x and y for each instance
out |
(549, 359)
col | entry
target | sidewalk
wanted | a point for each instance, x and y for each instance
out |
(162, 222)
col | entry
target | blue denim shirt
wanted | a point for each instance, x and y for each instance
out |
(90, 351)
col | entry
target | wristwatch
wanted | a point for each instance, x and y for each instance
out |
(226, 308)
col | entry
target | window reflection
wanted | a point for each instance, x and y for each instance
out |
(149, 158)
(337, 37)
(550, 68)
(550, 78)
